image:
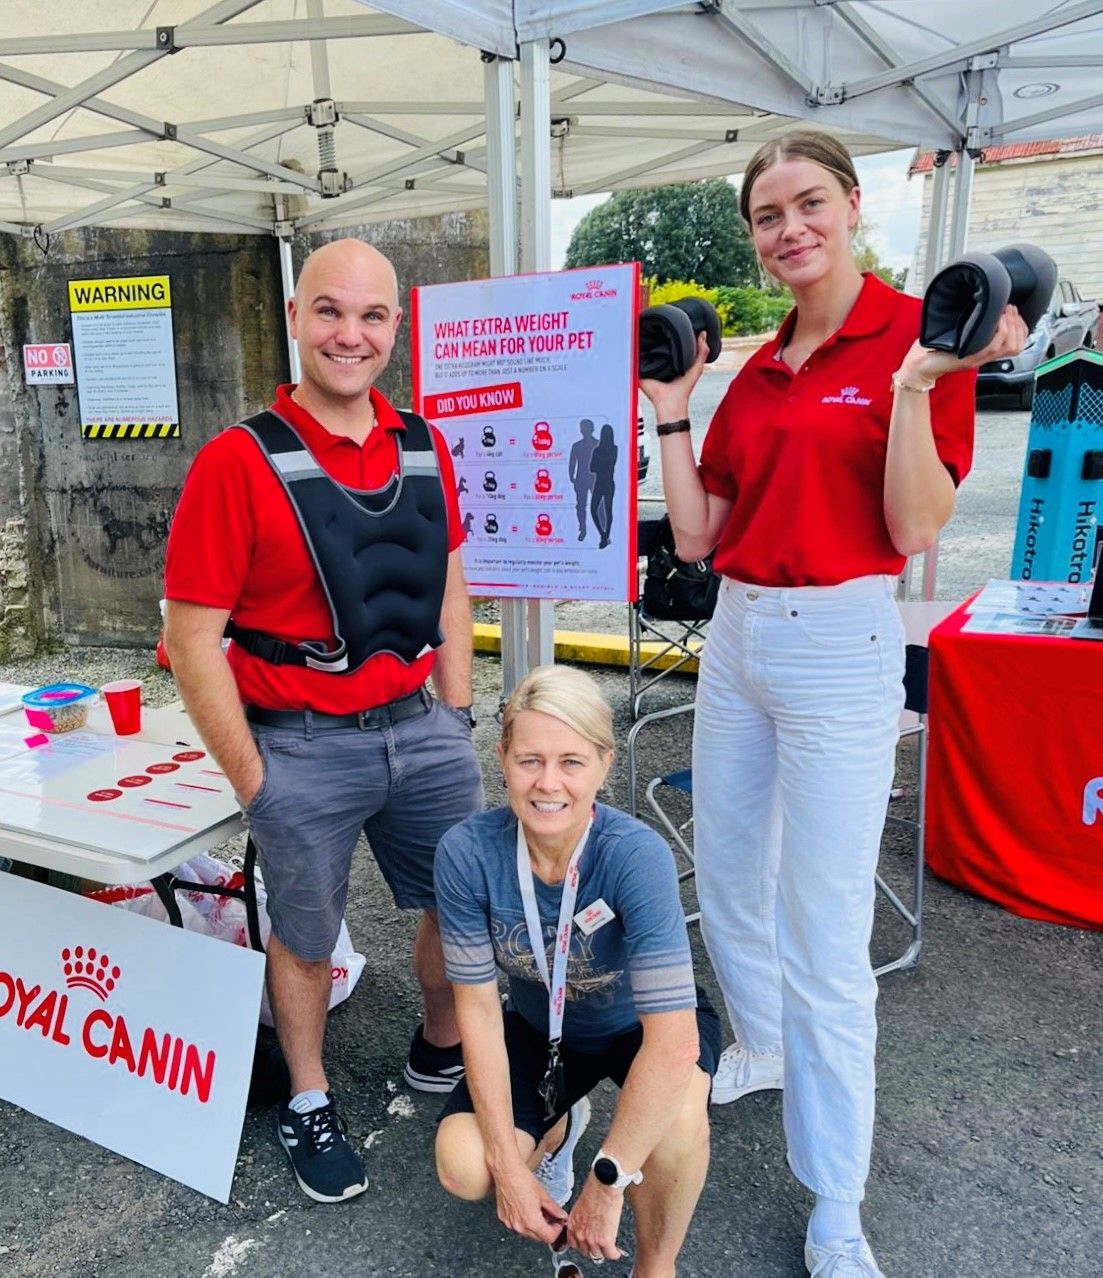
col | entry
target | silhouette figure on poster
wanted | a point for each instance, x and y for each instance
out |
(579, 472)
(468, 520)
(603, 464)
(457, 447)
(461, 487)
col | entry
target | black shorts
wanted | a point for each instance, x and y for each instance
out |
(527, 1050)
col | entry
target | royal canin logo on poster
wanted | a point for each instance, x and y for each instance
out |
(848, 395)
(158, 1057)
(593, 291)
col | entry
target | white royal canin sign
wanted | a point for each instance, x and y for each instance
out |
(136, 1035)
(48, 362)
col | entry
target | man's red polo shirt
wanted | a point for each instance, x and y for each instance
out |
(802, 455)
(235, 543)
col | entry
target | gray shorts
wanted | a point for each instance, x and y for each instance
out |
(403, 785)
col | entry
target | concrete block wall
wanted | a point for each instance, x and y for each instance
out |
(83, 523)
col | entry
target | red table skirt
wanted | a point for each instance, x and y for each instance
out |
(1015, 778)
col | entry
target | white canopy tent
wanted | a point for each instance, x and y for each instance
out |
(270, 116)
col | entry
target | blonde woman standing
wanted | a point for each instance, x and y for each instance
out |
(835, 454)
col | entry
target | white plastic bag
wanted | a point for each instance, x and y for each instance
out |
(223, 917)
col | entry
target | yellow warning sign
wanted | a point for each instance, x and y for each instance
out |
(130, 430)
(134, 293)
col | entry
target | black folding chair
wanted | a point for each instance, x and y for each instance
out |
(669, 801)
(661, 641)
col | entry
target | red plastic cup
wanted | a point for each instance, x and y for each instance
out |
(124, 703)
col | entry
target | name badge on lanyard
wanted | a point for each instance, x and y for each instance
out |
(553, 1084)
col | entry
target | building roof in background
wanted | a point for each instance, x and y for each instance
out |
(924, 160)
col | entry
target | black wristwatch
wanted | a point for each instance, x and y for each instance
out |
(608, 1171)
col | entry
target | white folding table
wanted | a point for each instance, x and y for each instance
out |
(62, 829)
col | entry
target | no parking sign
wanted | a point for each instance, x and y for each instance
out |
(47, 362)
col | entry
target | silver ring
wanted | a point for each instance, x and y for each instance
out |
(599, 1259)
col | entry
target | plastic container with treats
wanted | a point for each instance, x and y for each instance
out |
(59, 707)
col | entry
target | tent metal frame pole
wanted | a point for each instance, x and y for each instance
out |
(536, 256)
(501, 181)
(932, 264)
(959, 235)
(287, 275)
(936, 228)
(963, 201)
(960, 55)
(66, 98)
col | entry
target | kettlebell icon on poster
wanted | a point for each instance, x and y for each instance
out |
(490, 482)
(489, 438)
(543, 483)
(490, 525)
(542, 437)
(543, 526)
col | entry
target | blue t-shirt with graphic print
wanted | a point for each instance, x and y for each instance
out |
(637, 962)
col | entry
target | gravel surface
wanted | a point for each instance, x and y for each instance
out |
(989, 1150)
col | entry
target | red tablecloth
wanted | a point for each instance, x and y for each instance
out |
(1015, 782)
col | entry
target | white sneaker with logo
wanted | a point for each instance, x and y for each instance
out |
(741, 1072)
(843, 1258)
(556, 1171)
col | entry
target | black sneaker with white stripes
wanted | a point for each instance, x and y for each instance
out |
(432, 1069)
(324, 1163)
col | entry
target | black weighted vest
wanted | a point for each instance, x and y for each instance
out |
(381, 555)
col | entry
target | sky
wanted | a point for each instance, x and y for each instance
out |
(890, 205)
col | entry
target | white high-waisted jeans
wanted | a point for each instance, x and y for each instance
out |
(798, 709)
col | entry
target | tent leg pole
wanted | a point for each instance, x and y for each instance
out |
(959, 235)
(287, 274)
(536, 256)
(501, 172)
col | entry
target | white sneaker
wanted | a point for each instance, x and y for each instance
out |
(556, 1171)
(842, 1258)
(741, 1072)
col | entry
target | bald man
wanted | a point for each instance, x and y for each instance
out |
(322, 536)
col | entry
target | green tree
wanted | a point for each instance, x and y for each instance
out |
(865, 255)
(691, 231)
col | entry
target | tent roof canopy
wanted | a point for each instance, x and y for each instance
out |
(273, 115)
(249, 116)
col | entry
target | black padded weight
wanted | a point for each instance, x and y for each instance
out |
(704, 318)
(963, 302)
(668, 344)
(668, 337)
(1033, 278)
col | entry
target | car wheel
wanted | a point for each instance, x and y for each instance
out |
(1026, 396)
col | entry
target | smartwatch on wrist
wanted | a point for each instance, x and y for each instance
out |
(608, 1171)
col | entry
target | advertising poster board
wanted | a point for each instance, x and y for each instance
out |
(126, 357)
(532, 380)
(135, 1035)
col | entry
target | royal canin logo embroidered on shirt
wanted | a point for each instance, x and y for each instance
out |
(848, 395)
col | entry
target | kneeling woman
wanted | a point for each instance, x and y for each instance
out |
(598, 892)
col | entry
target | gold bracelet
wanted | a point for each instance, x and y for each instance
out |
(898, 384)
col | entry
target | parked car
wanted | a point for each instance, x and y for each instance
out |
(643, 452)
(1069, 323)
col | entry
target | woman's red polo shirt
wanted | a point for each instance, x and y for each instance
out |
(235, 543)
(802, 455)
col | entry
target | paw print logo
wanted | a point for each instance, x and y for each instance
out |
(90, 970)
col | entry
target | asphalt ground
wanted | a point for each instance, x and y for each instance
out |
(988, 1157)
